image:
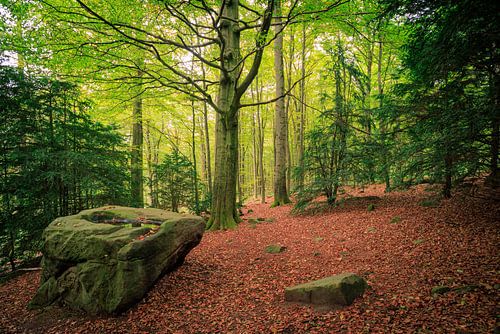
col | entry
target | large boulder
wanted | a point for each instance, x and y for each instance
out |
(105, 260)
(334, 290)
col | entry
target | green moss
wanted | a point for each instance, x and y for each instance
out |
(275, 248)
(430, 202)
(370, 207)
(440, 289)
(395, 220)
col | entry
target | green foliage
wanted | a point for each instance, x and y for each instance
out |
(452, 95)
(395, 220)
(326, 158)
(175, 177)
(55, 160)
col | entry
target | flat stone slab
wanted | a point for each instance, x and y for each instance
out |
(334, 290)
(105, 260)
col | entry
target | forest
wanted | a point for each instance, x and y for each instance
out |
(356, 135)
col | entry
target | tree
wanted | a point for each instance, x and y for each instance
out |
(55, 160)
(280, 118)
(175, 176)
(457, 82)
(327, 159)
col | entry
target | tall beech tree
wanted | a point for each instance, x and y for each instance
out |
(280, 117)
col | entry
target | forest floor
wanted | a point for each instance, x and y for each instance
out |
(229, 284)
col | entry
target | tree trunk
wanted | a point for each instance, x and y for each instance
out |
(280, 120)
(136, 184)
(260, 138)
(149, 163)
(289, 114)
(203, 151)
(302, 106)
(224, 213)
(255, 160)
(195, 173)
(447, 174)
(383, 127)
(495, 129)
(207, 140)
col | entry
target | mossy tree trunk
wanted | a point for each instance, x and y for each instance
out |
(231, 89)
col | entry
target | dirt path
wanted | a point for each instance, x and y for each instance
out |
(230, 285)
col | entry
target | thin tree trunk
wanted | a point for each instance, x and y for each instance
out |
(447, 174)
(207, 141)
(495, 129)
(255, 159)
(260, 137)
(280, 120)
(203, 151)
(195, 173)
(149, 163)
(302, 105)
(136, 184)
(383, 126)
(289, 115)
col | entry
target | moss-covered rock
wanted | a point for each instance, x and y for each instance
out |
(334, 290)
(275, 248)
(440, 290)
(92, 264)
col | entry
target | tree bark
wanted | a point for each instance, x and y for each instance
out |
(302, 106)
(383, 127)
(280, 119)
(260, 137)
(195, 172)
(224, 213)
(448, 163)
(136, 184)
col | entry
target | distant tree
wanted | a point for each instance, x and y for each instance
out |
(326, 161)
(175, 176)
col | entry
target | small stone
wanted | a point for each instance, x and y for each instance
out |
(466, 288)
(334, 290)
(430, 203)
(395, 220)
(440, 290)
(274, 249)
